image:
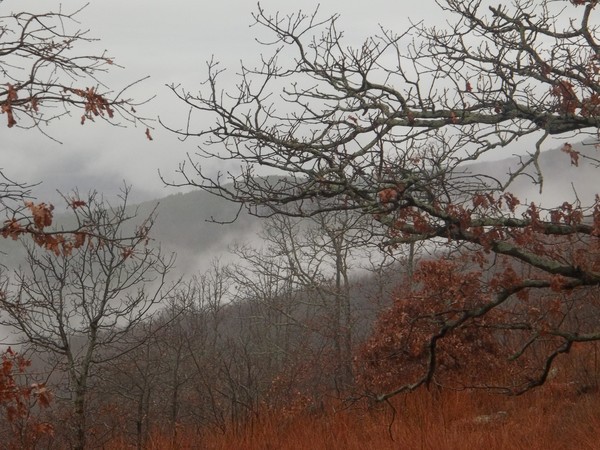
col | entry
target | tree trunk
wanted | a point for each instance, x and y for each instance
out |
(80, 417)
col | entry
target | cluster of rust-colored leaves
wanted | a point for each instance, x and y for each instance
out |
(584, 2)
(7, 105)
(500, 345)
(94, 104)
(577, 96)
(18, 401)
(41, 217)
(398, 352)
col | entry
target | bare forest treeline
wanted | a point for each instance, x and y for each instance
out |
(224, 348)
(306, 314)
(290, 328)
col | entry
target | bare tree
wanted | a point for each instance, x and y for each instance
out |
(301, 282)
(386, 128)
(49, 74)
(133, 382)
(198, 350)
(74, 307)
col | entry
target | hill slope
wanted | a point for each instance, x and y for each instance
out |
(184, 223)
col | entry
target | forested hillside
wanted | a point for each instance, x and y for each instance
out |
(293, 317)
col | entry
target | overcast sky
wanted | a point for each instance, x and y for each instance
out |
(170, 41)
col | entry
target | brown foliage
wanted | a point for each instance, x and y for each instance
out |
(36, 224)
(40, 57)
(405, 339)
(17, 401)
(473, 321)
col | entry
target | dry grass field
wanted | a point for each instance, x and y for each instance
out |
(556, 416)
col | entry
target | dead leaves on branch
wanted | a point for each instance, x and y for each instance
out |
(17, 400)
(572, 100)
(564, 92)
(500, 224)
(40, 217)
(41, 214)
(475, 321)
(76, 203)
(7, 105)
(568, 149)
(44, 58)
(399, 351)
(94, 104)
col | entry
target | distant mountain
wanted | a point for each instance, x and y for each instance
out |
(184, 222)
(562, 181)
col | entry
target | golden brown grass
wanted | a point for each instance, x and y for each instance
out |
(553, 417)
(563, 414)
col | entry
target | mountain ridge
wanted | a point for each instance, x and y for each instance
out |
(185, 222)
